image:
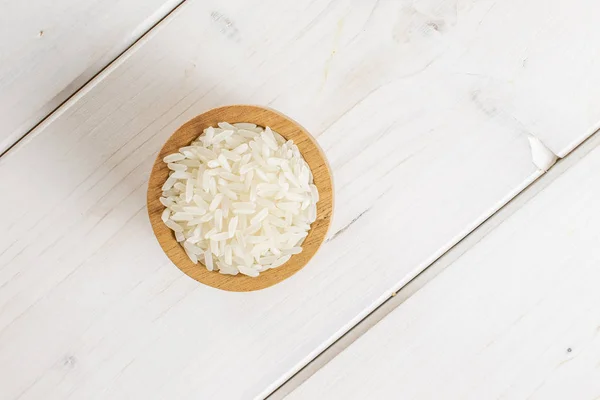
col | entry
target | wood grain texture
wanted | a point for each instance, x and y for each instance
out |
(290, 130)
(516, 317)
(420, 149)
(544, 79)
(49, 50)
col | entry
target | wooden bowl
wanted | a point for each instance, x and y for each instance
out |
(288, 129)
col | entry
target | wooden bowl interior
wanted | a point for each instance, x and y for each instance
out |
(289, 130)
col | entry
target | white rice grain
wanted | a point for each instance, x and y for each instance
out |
(239, 199)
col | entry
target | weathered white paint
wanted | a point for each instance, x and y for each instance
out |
(516, 317)
(422, 152)
(548, 66)
(541, 156)
(49, 49)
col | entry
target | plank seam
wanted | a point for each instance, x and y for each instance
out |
(93, 81)
(522, 195)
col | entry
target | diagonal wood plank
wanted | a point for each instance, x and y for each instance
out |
(421, 154)
(516, 317)
(50, 49)
(542, 76)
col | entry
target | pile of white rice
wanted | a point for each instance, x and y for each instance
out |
(240, 199)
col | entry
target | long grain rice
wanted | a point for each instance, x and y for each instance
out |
(239, 199)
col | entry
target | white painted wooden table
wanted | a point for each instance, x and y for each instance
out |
(424, 108)
(51, 48)
(516, 317)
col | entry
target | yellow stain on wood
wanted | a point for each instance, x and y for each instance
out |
(336, 41)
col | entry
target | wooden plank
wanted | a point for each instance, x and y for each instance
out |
(50, 49)
(419, 158)
(516, 317)
(541, 77)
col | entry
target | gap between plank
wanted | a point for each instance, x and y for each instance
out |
(91, 82)
(435, 268)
